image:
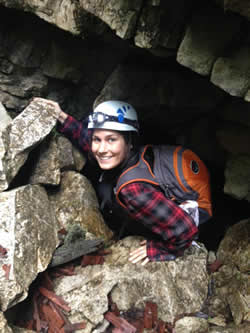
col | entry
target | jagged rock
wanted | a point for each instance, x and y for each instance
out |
(232, 73)
(24, 132)
(121, 15)
(182, 288)
(23, 84)
(206, 38)
(191, 325)
(4, 328)
(5, 119)
(231, 328)
(70, 157)
(61, 64)
(28, 237)
(235, 247)
(232, 280)
(148, 28)
(76, 203)
(237, 176)
(47, 166)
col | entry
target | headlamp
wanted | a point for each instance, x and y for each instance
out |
(98, 118)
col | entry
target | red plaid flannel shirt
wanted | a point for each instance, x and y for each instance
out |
(148, 205)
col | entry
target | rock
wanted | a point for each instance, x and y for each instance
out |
(4, 328)
(5, 119)
(237, 176)
(28, 237)
(24, 132)
(231, 328)
(231, 73)
(148, 28)
(70, 157)
(120, 16)
(234, 249)
(76, 203)
(182, 288)
(232, 283)
(191, 325)
(24, 85)
(206, 38)
(47, 166)
(218, 321)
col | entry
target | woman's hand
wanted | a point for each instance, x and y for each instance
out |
(62, 115)
(140, 254)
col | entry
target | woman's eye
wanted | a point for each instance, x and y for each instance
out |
(112, 140)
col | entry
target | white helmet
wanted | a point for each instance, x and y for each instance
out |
(114, 115)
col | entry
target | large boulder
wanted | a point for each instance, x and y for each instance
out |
(75, 202)
(28, 237)
(23, 134)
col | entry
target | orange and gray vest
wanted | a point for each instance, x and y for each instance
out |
(178, 171)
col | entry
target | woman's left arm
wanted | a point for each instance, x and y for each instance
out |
(148, 205)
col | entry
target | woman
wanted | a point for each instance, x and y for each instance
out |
(110, 139)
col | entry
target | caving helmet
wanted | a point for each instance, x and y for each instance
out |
(114, 115)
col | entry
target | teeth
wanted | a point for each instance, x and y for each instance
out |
(105, 158)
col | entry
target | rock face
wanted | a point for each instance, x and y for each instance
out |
(21, 136)
(232, 281)
(177, 287)
(76, 203)
(28, 237)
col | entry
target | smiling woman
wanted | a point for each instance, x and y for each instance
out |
(132, 197)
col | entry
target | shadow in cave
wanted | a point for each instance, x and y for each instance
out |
(227, 211)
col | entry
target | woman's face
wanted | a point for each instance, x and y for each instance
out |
(109, 148)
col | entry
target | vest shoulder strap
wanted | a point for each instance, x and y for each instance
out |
(139, 172)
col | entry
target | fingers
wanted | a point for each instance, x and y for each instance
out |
(60, 115)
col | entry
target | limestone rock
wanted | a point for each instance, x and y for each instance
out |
(76, 203)
(4, 328)
(121, 16)
(28, 235)
(232, 280)
(232, 73)
(70, 157)
(235, 247)
(148, 29)
(205, 39)
(47, 166)
(182, 288)
(191, 325)
(24, 132)
(23, 85)
(5, 119)
(237, 176)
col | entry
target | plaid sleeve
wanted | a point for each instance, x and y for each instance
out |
(76, 131)
(162, 216)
